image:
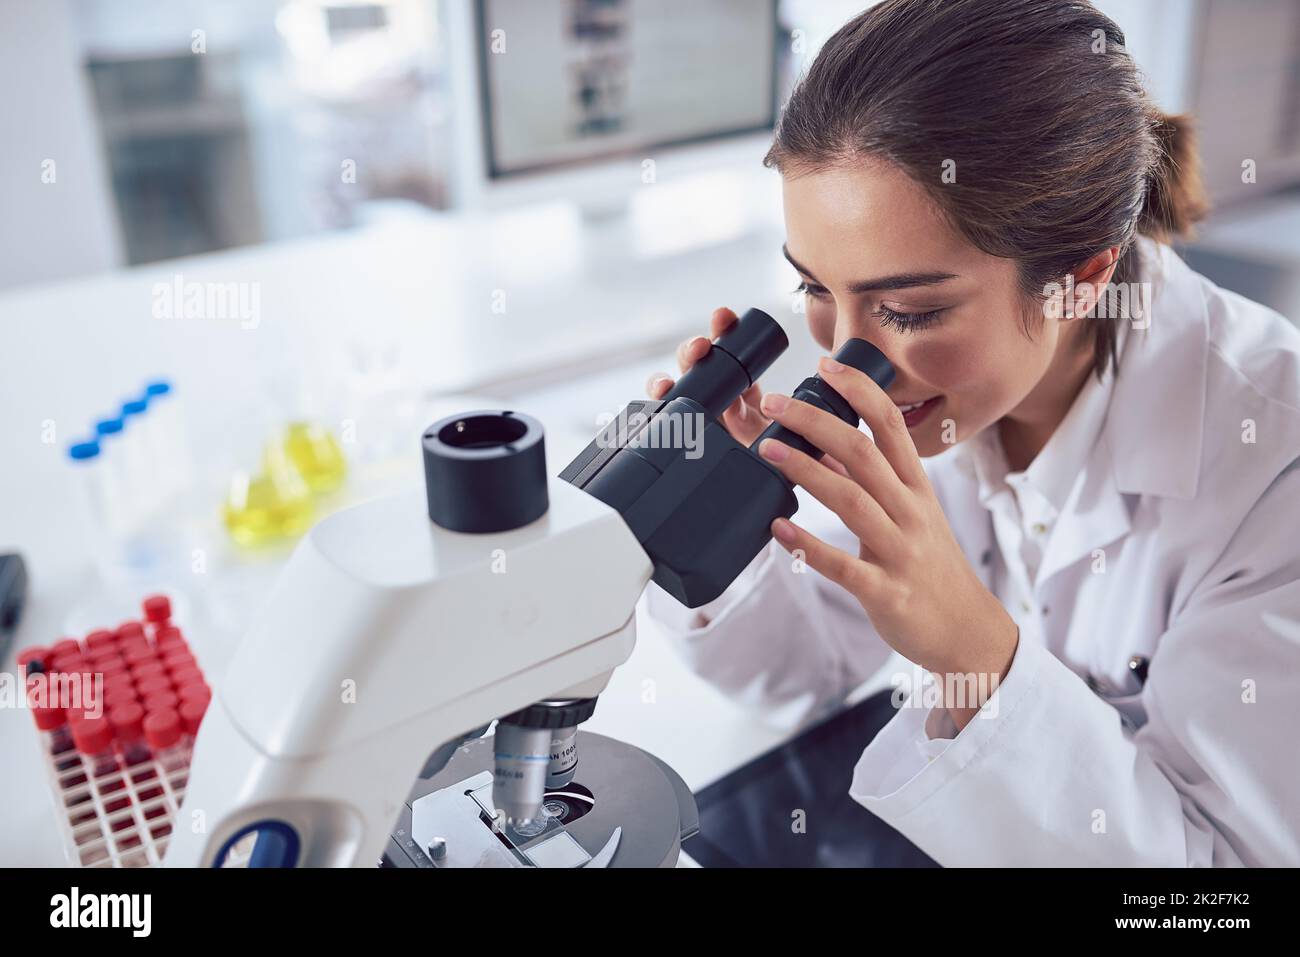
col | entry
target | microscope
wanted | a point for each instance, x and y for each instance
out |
(402, 628)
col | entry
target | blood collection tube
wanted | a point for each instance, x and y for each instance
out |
(162, 730)
(169, 639)
(194, 691)
(64, 646)
(152, 685)
(186, 674)
(108, 661)
(104, 652)
(37, 653)
(161, 701)
(179, 661)
(94, 739)
(129, 630)
(119, 680)
(157, 609)
(68, 663)
(116, 697)
(54, 724)
(148, 669)
(137, 654)
(100, 638)
(192, 711)
(128, 726)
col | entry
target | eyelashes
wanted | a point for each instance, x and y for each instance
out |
(905, 322)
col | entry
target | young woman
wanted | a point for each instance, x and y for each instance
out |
(1097, 561)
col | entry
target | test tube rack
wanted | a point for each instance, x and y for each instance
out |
(121, 818)
(118, 808)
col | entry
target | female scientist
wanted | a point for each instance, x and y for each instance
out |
(1104, 532)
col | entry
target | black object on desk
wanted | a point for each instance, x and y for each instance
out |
(13, 595)
(746, 818)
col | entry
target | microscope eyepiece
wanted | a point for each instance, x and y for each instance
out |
(856, 353)
(485, 471)
(738, 357)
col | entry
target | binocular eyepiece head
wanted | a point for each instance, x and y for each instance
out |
(746, 350)
(703, 510)
(738, 357)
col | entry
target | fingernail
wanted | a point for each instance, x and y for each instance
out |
(774, 450)
(830, 365)
(700, 346)
(774, 402)
(784, 531)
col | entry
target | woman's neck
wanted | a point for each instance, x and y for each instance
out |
(1026, 429)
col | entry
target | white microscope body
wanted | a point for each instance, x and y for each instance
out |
(391, 637)
(386, 637)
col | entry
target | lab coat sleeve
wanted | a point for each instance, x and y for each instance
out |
(1046, 774)
(781, 639)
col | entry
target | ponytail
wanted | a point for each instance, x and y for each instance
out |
(1175, 198)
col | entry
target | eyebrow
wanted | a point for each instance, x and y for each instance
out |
(900, 281)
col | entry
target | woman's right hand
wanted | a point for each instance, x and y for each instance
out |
(742, 419)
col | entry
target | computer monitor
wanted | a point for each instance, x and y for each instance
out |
(573, 97)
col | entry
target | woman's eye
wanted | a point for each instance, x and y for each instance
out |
(907, 321)
(808, 289)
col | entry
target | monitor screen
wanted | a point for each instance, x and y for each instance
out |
(570, 81)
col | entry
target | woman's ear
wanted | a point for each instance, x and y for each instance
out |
(1088, 282)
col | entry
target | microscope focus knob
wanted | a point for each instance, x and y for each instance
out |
(485, 471)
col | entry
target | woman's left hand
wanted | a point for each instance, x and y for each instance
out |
(910, 575)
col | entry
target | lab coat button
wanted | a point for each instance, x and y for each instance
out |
(1039, 528)
(1138, 665)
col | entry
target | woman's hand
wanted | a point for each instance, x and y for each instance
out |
(910, 575)
(742, 419)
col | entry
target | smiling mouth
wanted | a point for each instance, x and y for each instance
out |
(909, 406)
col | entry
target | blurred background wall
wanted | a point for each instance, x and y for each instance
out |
(184, 126)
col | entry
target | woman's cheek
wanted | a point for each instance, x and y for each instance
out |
(821, 322)
(946, 366)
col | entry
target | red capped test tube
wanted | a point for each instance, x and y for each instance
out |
(162, 729)
(157, 610)
(127, 720)
(191, 712)
(35, 653)
(94, 739)
(53, 723)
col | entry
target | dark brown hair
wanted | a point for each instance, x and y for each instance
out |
(1058, 152)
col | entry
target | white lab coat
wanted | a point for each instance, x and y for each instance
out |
(1191, 498)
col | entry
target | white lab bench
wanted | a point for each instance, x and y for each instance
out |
(587, 313)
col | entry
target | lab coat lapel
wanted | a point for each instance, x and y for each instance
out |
(1096, 515)
(1157, 415)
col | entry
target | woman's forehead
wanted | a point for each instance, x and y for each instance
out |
(851, 223)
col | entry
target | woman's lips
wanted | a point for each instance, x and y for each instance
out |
(915, 412)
